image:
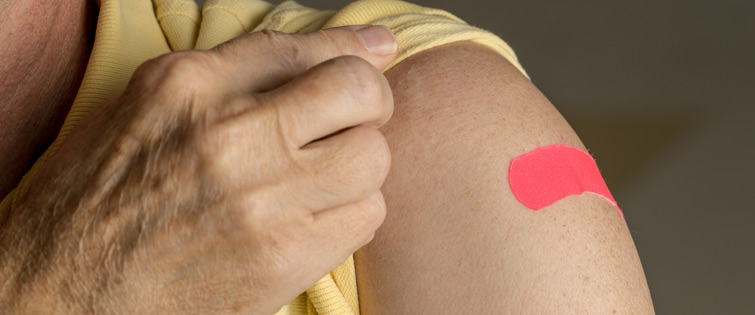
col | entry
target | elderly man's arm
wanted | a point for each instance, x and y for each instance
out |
(209, 185)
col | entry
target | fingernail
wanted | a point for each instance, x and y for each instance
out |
(378, 39)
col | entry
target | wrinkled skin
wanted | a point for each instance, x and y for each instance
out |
(228, 180)
(43, 56)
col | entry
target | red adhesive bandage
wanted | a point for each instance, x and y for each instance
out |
(548, 174)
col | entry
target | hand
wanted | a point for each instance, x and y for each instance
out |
(228, 180)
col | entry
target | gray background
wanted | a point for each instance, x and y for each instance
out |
(660, 91)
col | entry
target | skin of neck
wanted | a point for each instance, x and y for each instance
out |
(44, 52)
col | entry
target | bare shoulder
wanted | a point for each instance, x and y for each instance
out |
(469, 79)
(464, 57)
(453, 225)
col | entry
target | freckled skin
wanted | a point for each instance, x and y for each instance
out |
(455, 239)
(44, 51)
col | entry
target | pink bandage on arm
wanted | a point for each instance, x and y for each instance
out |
(548, 174)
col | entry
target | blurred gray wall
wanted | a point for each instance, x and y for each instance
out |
(661, 93)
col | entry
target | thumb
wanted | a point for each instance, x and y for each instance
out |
(377, 39)
(264, 60)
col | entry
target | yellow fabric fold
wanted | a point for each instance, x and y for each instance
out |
(130, 32)
(179, 20)
(223, 20)
(419, 28)
(290, 17)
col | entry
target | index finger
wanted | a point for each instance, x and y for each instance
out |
(262, 61)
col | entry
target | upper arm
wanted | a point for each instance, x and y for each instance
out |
(455, 239)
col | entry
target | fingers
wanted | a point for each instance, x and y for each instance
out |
(345, 93)
(343, 169)
(334, 95)
(262, 61)
(345, 229)
(326, 242)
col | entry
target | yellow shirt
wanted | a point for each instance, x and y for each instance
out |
(130, 32)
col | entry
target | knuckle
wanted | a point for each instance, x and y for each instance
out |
(290, 55)
(369, 163)
(218, 148)
(189, 69)
(211, 146)
(244, 140)
(254, 213)
(375, 154)
(174, 80)
(260, 219)
(147, 74)
(255, 226)
(364, 82)
(146, 68)
(371, 215)
(254, 217)
(276, 39)
(333, 41)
